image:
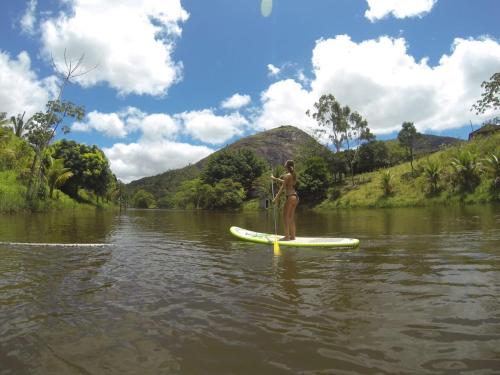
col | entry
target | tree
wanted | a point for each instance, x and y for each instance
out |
(407, 137)
(227, 194)
(242, 166)
(432, 173)
(18, 125)
(372, 156)
(387, 182)
(143, 199)
(4, 121)
(357, 133)
(490, 98)
(88, 164)
(466, 169)
(194, 194)
(492, 168)
(57, 175)
(331, 118)
(341, 126)
(314, 180)
(42, 128)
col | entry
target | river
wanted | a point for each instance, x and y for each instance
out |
(172, 292)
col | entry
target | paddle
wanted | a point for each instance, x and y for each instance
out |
(276, 245)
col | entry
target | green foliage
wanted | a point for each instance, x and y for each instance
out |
(492, 169)
(143, 199)
(194, 194)
(314, 180)
(11, 192)
(89, 165)
(166, 201)
(332, 119)
(387, 182)
(341, 125)
(241, 166)
(56, 174)
(372, 156)
(466, 171)
(14, 152)
(227, 194)
(19, 126)
(490, 98)
(431, 173)
(407, 137)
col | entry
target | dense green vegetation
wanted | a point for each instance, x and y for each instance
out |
(38, 174)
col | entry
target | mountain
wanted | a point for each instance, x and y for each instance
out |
(428, 143)
(275, 146)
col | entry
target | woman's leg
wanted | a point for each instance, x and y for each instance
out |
(286, 218)
(294, 203)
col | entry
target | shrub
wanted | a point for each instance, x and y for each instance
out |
(387, 182)
(431, 172)
(466, 171)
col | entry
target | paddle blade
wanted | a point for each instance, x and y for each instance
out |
(276, 247)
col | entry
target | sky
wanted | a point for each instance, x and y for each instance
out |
(170, 81)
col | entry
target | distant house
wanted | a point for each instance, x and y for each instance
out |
(485, 131)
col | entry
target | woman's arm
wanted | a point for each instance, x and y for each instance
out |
(278, 194)
(277, 179)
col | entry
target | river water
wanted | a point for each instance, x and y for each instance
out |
(174, 293)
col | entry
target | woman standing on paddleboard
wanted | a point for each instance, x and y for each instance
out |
(292, 199)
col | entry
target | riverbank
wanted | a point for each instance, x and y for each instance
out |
(466, 174)
(13, 198)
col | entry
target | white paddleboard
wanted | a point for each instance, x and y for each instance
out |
(267, 238)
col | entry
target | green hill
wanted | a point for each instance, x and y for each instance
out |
(464, 172)
(275, 146)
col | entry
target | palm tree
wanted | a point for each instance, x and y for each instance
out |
(492, 167)
(57, 175)
(466, 168)
(431, 174)
(387, 182)
(18, 124)
(3, 119)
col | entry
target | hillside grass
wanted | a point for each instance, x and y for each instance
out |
(410, 190)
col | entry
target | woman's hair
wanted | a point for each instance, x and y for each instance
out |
(290, 167)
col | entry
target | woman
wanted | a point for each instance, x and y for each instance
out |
(292, 199)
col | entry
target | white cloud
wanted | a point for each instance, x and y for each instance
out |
(273, 70)
(158, 125)
(386, 85)
(121, 124)
(147, 158)
(131, 41)
(208, 127)
(157, 149)
(108, 123)
(379, 9)
(29, 18)
(20, 88)
(236, 101)
(285, 103)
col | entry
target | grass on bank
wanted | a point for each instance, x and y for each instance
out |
(409, 189)
(13, 197)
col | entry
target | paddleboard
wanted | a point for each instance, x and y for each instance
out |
(267, 238)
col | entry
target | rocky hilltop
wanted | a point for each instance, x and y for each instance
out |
(275, 146)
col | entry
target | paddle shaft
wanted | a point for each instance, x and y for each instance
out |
(274, 210)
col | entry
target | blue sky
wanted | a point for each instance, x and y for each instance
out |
(177, 80)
